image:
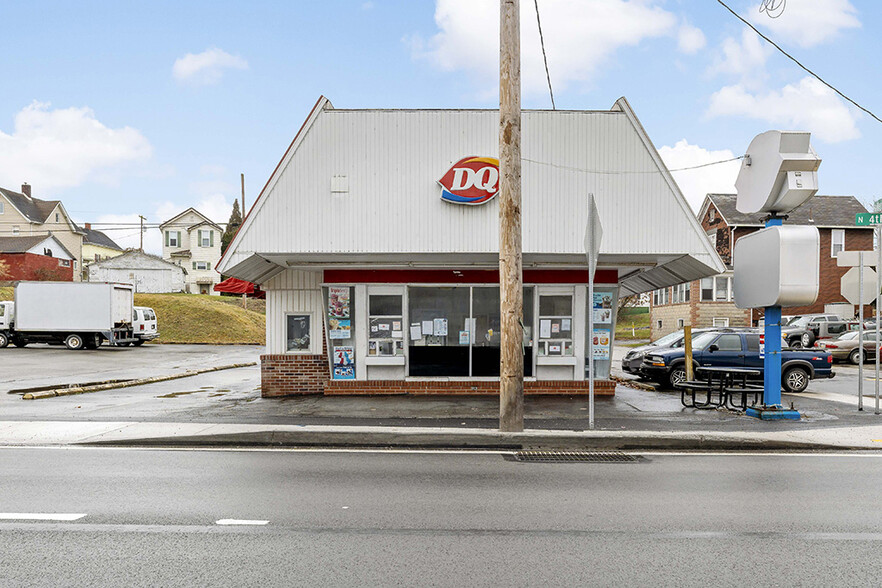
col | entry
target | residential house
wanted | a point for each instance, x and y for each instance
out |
(35, 257)
(98, 246)
(23, 215)
(710, 302)
(146, 272)
(193, 241)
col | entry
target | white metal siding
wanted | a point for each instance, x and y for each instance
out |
(293, 291)
(394, 158)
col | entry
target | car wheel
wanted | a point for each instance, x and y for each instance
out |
(855, 357)
(138, 343)
(74, 342)
(677, 376)
(795, 379)
(806, 340)
(4, 340)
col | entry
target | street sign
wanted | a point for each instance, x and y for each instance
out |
(850, 286)
(853, 258)
(866, 219)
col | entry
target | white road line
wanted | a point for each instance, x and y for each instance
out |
(240, 522)
(40, 516)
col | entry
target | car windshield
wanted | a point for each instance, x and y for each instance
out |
(668, 339)
(703, 340)
(799, 321)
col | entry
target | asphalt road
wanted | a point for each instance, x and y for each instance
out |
(354, 518)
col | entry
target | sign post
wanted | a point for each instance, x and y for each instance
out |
(873, 219)
(593, 237)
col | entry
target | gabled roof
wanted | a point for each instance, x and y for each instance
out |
(820, 211)
(181, 253)
(24, 243)
(33, 209)
(120, 260)
(203, 223)
(93, 237)
(177, 216)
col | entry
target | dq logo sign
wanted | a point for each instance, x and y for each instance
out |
(472, 180)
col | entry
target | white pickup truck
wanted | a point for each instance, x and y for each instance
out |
(77, 314)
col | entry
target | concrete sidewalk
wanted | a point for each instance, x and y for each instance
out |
(154, 434)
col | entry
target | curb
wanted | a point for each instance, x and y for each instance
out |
(139, 382)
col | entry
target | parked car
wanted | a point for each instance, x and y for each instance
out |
(144, 325)
(668, 366)
(803, 330)
(634, 359)
(845, 347)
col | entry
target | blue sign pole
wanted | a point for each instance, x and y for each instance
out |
(772, 408)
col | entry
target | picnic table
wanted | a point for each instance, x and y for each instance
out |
(718, 386)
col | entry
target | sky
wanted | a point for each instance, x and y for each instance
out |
(125, 108)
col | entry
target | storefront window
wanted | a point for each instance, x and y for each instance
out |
(298, 327)
(439, 329)
(385, 325)
(556, 325)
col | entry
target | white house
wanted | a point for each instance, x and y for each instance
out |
(378, 280)
(148, 273)
(193, 241)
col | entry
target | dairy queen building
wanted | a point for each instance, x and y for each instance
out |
(376, 242)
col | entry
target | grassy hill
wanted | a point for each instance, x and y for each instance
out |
(194, 318)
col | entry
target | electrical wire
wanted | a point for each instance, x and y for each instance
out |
(796, 61)
(544, 58)
(616, 173)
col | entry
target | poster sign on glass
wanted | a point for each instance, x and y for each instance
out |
(344, 362)
(339, 324)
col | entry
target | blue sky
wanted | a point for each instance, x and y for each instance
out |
(126, 108)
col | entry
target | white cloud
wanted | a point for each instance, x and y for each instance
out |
(745, 58)
(580, 35)
(207, 67)
(697, 183)
(808, 23)
(690, 39)
(808, 105)
(64, 147)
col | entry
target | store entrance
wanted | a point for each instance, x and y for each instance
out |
(459, 331)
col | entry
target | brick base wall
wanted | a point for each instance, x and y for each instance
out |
(290, 375)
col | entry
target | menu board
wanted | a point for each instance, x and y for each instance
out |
(601, 343)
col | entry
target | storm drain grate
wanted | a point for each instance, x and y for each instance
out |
(574, 456)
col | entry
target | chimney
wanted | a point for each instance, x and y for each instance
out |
(26, 189)
(88, 226)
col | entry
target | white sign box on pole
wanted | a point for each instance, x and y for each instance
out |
(777, 266)
(850, 286)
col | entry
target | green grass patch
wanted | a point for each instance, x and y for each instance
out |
(639, 322)
(198, 318)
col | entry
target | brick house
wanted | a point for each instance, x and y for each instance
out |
(35, 257)
(710, 302)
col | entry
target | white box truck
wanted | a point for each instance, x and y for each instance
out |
(78, 314)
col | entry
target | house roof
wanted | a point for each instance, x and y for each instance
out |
(177, 216)
(203, 223)
(24, 243)
(33, 209)
(181, 253)
(120, 260)
(98, 238)
(820, 211)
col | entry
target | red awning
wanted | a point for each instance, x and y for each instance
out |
(235, 286)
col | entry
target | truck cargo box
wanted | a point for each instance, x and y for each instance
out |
(72, 306)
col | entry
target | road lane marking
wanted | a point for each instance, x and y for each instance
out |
(40, 516)
(240, 522)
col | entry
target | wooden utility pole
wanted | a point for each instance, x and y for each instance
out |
(511, 369)
(143, 218)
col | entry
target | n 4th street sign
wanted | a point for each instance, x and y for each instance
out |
(864, 219)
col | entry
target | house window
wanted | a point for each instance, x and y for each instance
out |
(556, 324)
(658, 324)
(385, 325)
(707, 289)
(206, 238)
(172, 238)
(680, 323)
(837, 241)
(201, 265)
(297, 334)
(721, 321)
(721, 292)
(687, 287)
(680, 293)
(712, 236)
(711, 214)
(57, 217)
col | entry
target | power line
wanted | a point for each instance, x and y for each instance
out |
(625, 172)
(796, 61)
(544, 58)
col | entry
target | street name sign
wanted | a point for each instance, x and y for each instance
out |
(866, 219)
(854, 258)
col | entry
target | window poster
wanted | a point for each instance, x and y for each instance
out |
(602, 307)
(440, 327)
(544, 329)
(428, 328)
(416, 332)
(463, 337)
(601, 343)
(344, 362)
(339, 325)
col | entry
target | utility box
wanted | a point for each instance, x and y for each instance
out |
(777, 266)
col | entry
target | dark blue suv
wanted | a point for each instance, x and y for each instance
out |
(668, 366)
